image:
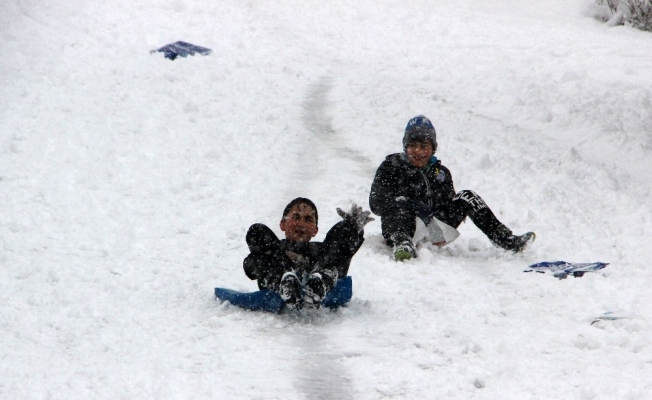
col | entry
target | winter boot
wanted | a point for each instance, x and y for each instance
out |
(403, 247)
(314, 291)
(290, 291)
(503, 238)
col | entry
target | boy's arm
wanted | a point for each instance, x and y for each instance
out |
(386, 192)
(448, 183)
(342, 241)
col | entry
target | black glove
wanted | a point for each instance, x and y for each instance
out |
(423, 211)
(357, 216)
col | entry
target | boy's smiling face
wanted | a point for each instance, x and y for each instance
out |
(419, 153)
(300, 223)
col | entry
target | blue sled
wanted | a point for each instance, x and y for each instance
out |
(561, 269)
(268, 300)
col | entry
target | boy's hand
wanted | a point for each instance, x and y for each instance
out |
(357, 216)
(423, 211)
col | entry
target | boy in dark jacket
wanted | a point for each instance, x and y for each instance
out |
(286, 266)
(414, 184)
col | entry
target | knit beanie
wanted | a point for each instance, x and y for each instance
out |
(420, 128)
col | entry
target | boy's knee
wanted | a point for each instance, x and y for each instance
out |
(256, 229)
(260, 237)
(401, 222)
(471, 200)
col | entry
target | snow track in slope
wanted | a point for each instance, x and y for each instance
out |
(318, 121)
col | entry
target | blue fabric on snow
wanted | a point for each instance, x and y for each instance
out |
(183, 49)
(562, 269)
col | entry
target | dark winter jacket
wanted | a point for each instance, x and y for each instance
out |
(342, 241)
(399, 187)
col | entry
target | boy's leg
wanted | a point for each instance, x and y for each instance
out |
(338, 248)
(468, 203)
(402, 224)
(398, 230)
(267, 262)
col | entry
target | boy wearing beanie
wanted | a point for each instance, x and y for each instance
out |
(414, 184)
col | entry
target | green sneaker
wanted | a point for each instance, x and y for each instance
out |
(404, 251)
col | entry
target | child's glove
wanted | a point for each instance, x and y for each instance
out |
(423, 211)
(357, 216)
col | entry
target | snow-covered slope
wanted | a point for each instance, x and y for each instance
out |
(127, 183)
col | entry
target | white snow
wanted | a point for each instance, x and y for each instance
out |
(128, 181)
